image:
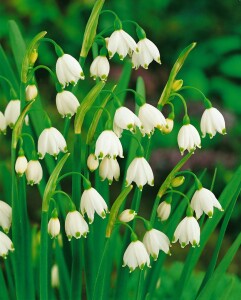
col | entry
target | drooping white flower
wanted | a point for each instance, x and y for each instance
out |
(21, 165)
(68, 70)
(34, 172)
(140, 172)
(67, 104)
(12, 112)
(75, 225)
(6, 245)
(54, 227)
(100, 67)
(91, 201)
(204, 200)
(164, 210)
(55, 276)
(31, 92)
(3, 124)
(108, 144)
(212, 121)
(151, 118)
(168, 128)
(148, 52)
(187, 231)
(109, 168)
(127, 215)
(122, 43)
(136, 256)
(125, 119)
(92, 162)
(154, 241)
(51, 141)
(5, 216)
(188, 138)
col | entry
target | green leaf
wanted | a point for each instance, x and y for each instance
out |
(231, 66)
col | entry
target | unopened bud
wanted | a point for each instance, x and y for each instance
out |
(31, 92)
(164, 210)
(177, 84)
(168, 128)
(127, 215)
(92, 162)
(177, 181)
(21, 165)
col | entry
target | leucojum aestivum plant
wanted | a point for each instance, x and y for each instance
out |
(79, 251)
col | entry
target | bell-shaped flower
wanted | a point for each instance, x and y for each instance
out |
(6, 245)
(108, 144)
(92, 162)
(12, 112)
(54, 227)
(127, 215)
(100, 67)
(154, 241)
(34, 172)
(188, 138)
(164, 210)
(140, 172)
(148, 52)
(187, 231)
(31, 92)
(51, 141)
(21, 165)
(91, 201)
(5, 216)
(203, 201)
(3, 124)
(68, 70)
(110, 169)
(151, 118)
(212, 121)
(75, 225)
(122, 43)
(135, 256)
(125, 119)
(67, 104)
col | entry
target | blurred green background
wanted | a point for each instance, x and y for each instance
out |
(214, 67)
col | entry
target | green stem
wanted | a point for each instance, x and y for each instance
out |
(140, 285)
(46, 68)
(44, 278)
(193, 88)
(197, 181)
(136, 203)
(66, 127)
(183, 101)
(14, 95)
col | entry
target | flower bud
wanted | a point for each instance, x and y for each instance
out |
(164, 210)
(55, 276)
(177, 84)
(31, 92)
(54, 227)
(168, 128)
(92, 162)
(3, 124)
(21, 165)
(177, 181)
(127, 215)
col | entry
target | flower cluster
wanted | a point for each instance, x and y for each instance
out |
(6, 244)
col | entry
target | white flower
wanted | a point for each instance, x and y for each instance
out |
(67, 104)
(12, 112)
(100, 67)
(164, 210)
(109, 168)
(127, 215)
(5, 216)
(187, 231)
(204, 200)
(154, 241)
(151, 118)
(53, 227)
(3, 124)
(55, 276)
(147, 52)
(169, 126)
(212, 121)
(122, 43)
(34, 172)
(75, 225)
(31, 92)
(108, 144)
(6, 245)
(91, 201)
(125, 119)
(188, 138)
(92, 162)
(140, 172)
(136, 256)
(51, 141)
(68, 70)
(21, 165)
